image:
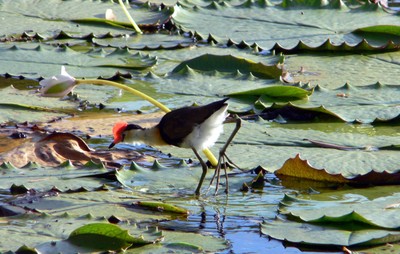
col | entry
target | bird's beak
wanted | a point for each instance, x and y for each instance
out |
(111, 145)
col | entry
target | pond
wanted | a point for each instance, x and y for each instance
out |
(313, 82)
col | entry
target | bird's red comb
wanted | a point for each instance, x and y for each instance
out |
(118, 128)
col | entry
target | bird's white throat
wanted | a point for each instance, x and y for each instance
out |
(149, 136)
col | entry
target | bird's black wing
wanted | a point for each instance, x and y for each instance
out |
(179, 123)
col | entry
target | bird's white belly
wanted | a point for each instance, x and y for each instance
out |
(207, 133)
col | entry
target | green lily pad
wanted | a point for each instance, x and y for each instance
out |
(15, 108)
(313, 68)
(104, 236)
(380, 212)
(281, 93)
(317, 236)
(380, 29)
(41, 17)
(78, 63)
(229, 63)
(161, 207)
(158, 41)
(268, 21)
(351, 220)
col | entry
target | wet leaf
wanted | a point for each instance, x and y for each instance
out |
(229, 63)
(79, 63)
(61, 18)
(327, 236)
(14, 106)
(102, 236)
(290, 112)
(296, 167)
(275, 93)
(301, 18)
(328, 45)
(381, 29)
(161, 207)
(61, 149)
(374, 213)
(158, 41)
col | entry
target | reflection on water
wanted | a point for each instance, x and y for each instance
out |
(243, 233)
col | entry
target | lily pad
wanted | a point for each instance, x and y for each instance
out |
(56, 148)
(41, 17)
(380, 212)
(284, 93)
(268, 21)
(78, 63)
(229, 64)
(380, 29)
(316, 236)
(15, 108)
(103, 236)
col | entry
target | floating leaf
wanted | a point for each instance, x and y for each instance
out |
(316, 236)
(103, 236)
(161, 207)
(79, 63)
(328, 45)
(229, 63)
(60, 149)
(375, 213)
(380, 29)
(290, 112)
(301, 18)
(296, 167)
(275, 93)
(26, 250)
(52, 20)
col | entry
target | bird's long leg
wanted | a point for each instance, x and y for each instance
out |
(222, 155)
(218, 172)
(203, 174)
(226, 176)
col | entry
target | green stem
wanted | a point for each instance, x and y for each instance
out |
(156, 103)
(135, 26)
(126, 88)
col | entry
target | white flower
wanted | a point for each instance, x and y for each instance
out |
(58, 86)
(110, 15)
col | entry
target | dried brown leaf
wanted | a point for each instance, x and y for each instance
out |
(296, 167)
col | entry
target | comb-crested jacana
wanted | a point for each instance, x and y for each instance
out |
(195, 127)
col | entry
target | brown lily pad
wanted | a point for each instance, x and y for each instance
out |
(301, 169)
(296, 167)
(56, 148)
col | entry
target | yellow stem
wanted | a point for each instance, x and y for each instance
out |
(135, 26)
(156, 103)
(126, 88)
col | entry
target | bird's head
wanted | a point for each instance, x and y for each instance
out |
(123, 131)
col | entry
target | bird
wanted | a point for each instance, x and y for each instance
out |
(194, 127)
